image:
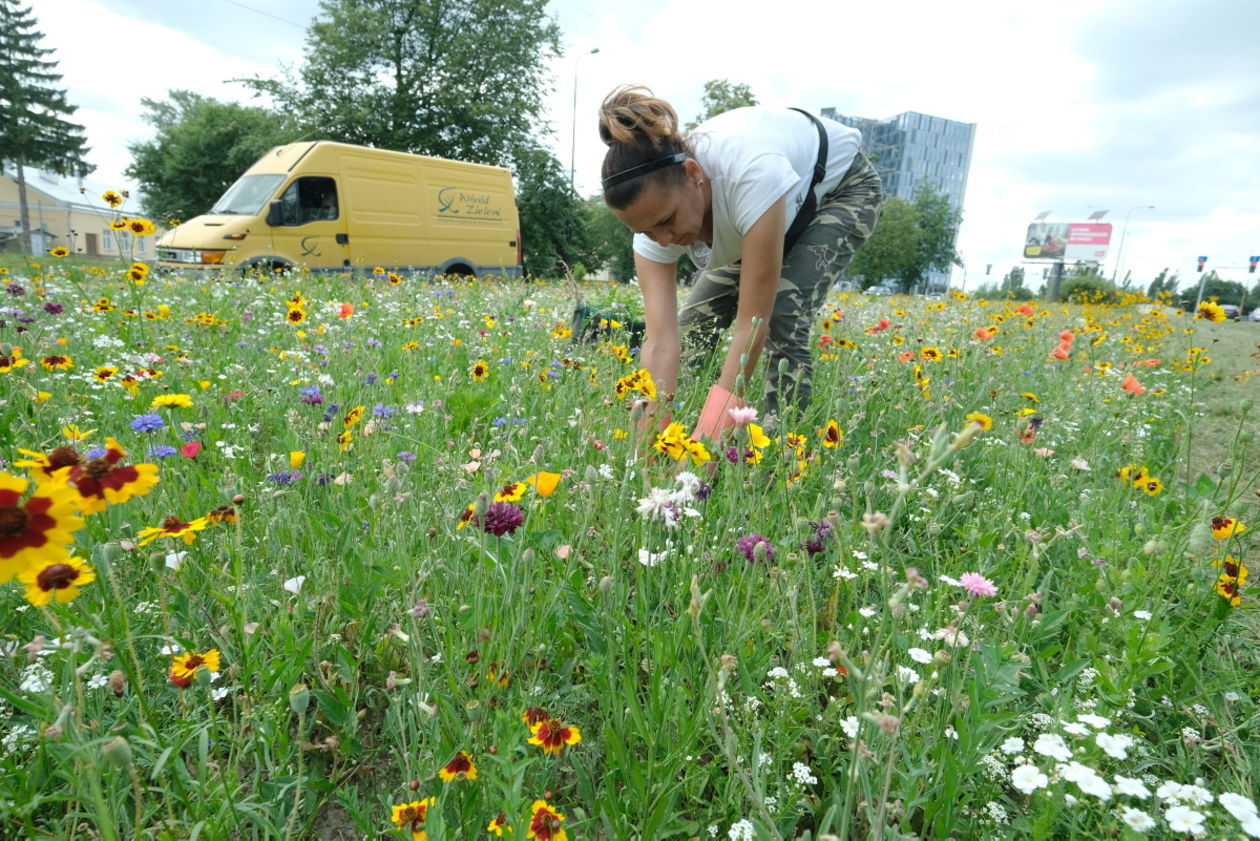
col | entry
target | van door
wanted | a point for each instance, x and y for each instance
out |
(312, 230)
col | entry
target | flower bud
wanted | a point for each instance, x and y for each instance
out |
(117, 752)
(117, 682)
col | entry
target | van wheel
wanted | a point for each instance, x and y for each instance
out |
(461, 271)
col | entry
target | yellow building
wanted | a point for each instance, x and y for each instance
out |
(69, 213)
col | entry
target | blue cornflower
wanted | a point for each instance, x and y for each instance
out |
(406, 456)
(95, 453)
(147, 423)
(499, 421)
(371, 379)
(320, 349)
(162, 451)
(383, 411)
(284, 477)
(374, 342)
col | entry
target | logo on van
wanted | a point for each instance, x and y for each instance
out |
(452, 201)
(309, 244)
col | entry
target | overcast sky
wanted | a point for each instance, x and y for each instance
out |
(1079, 105)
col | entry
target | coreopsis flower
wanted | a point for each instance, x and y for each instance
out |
(831, 435)
(119, 224)
(105, 480)
(931, 354)
(985, 422)
(1210, 311)
(58, 579)
(222, 514)
(184, 667)
(1152, 486)
(544, 823)
(103, 373)
(39, 529)
(12, 360)
(59, 251)
(111, 198)
(353, 416)
(295, 315)
(1131, 474)
(479, 371)
(511, 492)
(413, 816)
(48, 465)
(182, 401)
(498, 824)
(57, 363)
(552, 735)
(141, 227)
(345, 440)
(459, 768)
(1223, 528)
(533, 715)
(173, 527)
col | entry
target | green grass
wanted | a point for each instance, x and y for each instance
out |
(369, 629)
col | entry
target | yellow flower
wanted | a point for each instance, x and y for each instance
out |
(480, 370)
(757, 437)
(296, 457)
(985, 422)
(832, 435)
(111, 198)
(510, 492)
(58, 579)
(413, 815)
(1152, 486)
(183, 401)
(173, 527)
(1223, 528)
(1211, 311)
(345, 440)
(461, 767)
(59, 251)
(140, 227)
(74, 434)
(543, 482)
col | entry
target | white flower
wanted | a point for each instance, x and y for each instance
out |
(294, 585)
(1075, 728)
(650, 559)
(1116, 746)
(1142, 614)
(1195, 795)
(954, 637)
(1185, 819)
(850, 726)
(1012, 746)
(1087, 779)
(97, 681)
(1028, 778)
(1053, 746)
(175, 560)
(35, 678)
(950, 732)
(1080, 464)
(1095, 721)
(1168, 791)
(1137, 820)
(802, 774)
(918, 655)
(741, 831)
(606, 471)
(842, 572)
(1131, 787)
(1237, 805)
(821, 662)
(907, 675)
(868, 612)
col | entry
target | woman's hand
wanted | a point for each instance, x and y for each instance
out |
(715, 417)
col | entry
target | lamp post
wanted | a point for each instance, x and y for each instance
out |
(1124, 231)
(573, 133)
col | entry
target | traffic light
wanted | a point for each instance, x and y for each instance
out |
(1202, 261)
(1251, 269)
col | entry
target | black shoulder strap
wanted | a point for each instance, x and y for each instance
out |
(806, 212)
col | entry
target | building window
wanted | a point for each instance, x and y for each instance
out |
(107, 240)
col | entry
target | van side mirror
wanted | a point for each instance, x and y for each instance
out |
(275, 217)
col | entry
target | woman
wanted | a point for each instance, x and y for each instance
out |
(772, 204)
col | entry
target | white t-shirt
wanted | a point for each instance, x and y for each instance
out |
(752, 157)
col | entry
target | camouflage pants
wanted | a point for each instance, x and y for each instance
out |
(843, 221)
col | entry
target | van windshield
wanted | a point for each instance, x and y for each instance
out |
(248, 195)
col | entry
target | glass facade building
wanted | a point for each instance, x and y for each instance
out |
(912, 148)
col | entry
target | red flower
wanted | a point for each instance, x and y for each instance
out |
(191, 449)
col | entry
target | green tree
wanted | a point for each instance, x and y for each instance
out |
(33, 128)
(554, 223)
(721, 95)
(938, 222)
(1163, 284)
(1084, 284)
(612, 243)
(201, 147)
(1225, 291)
(460, 79)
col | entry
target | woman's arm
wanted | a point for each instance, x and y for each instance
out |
(761, 259)
(661, 350)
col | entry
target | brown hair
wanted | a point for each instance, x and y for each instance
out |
(638, 128)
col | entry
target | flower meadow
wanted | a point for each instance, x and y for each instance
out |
(377, 556)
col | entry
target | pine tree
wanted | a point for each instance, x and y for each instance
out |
(33, 132)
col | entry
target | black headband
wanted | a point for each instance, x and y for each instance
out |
(643, 169)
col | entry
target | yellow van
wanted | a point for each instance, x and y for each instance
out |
(332, 207)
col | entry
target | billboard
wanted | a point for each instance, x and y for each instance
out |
(1067, 241)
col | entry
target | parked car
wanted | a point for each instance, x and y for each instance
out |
(880, 289)
(1231, 311)
(1255, 314)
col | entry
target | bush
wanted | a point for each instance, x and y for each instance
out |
(1088, 289)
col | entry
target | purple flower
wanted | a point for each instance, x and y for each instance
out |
(15, 290)
(817, 542)
(406, 456)
(501, 518)
(147, 423)
(311, 395)
(320, 349)
(162, 451)
(380, 410)
(374, 342)
(54, 308)
(95, 453)
(747, 546)
(371, 378)
(421, 610)
(284, 477)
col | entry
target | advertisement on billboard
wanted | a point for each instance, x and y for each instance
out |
(1067, 241)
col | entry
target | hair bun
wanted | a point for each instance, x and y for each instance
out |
(632, 115)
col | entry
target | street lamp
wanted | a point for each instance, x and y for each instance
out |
(573, 133)
(1123, 233)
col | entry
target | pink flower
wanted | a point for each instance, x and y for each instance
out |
(977, 585)
(742, 415)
